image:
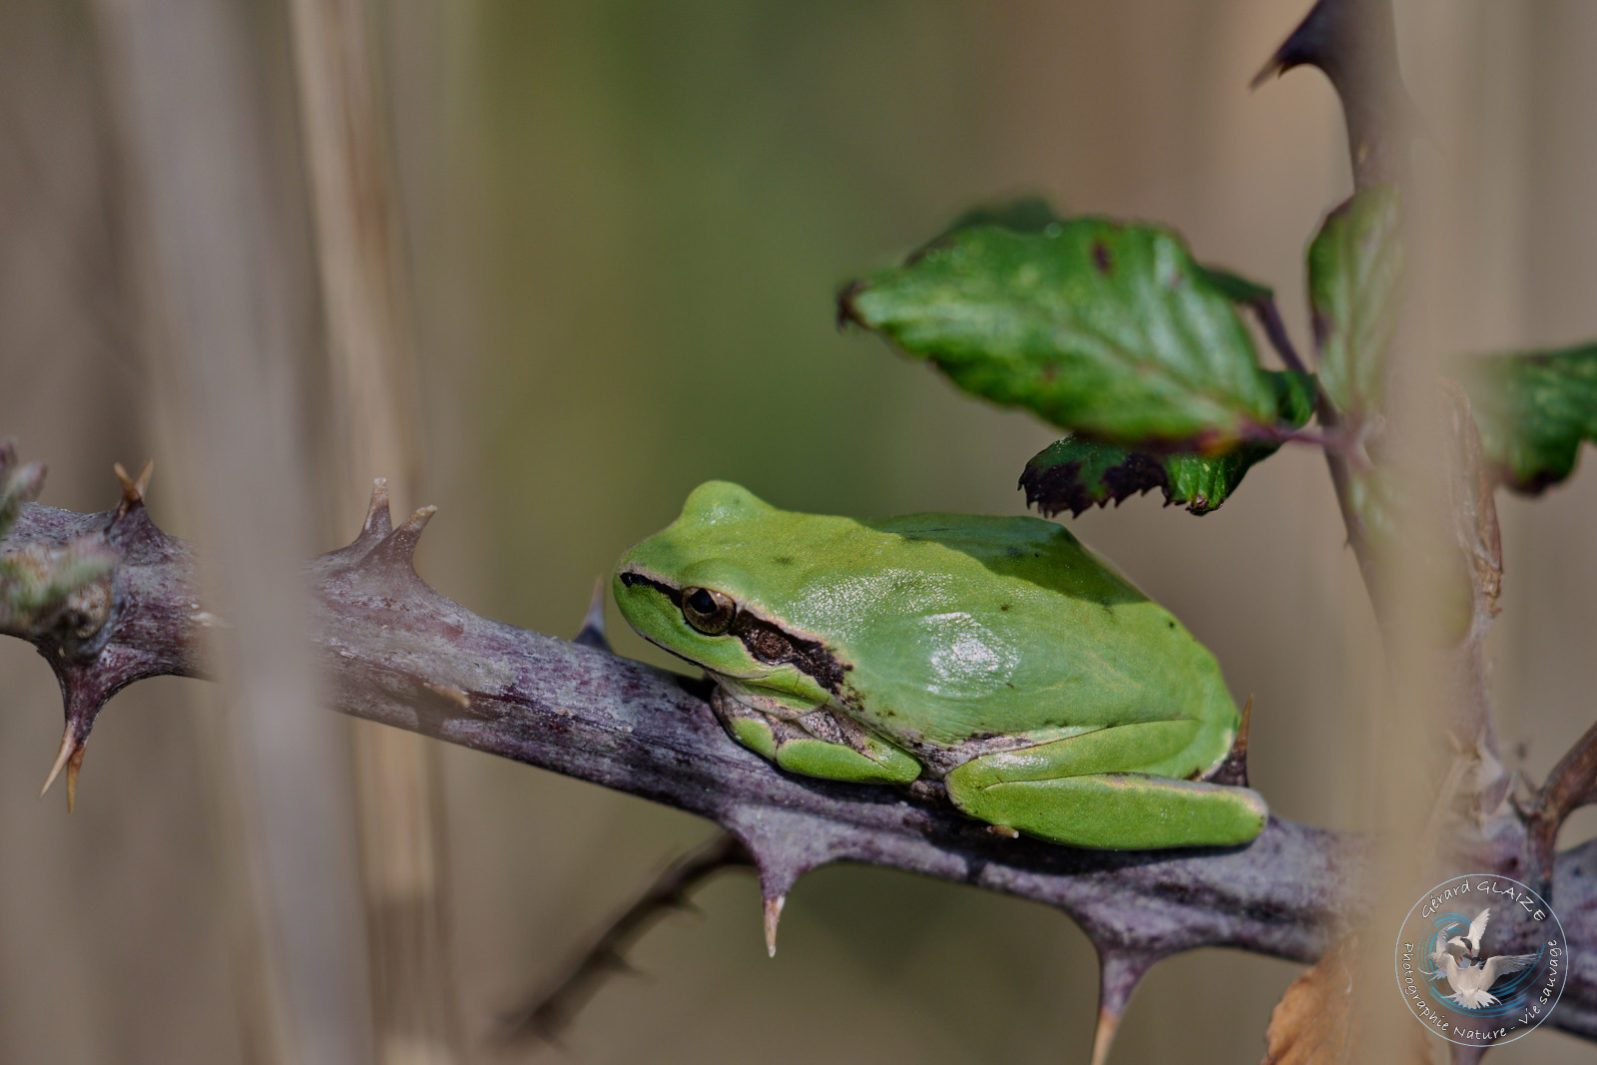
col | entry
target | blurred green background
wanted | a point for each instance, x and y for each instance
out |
(624, 224)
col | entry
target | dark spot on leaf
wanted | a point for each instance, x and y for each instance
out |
(1100, 257)
(1003, 606)
(782, 560)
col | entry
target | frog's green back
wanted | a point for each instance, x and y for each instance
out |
(951, 626)
(1024, 631)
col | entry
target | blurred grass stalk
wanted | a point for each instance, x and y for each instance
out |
(1434, 705)
(225, 296)
(369, 351)
(213, 261)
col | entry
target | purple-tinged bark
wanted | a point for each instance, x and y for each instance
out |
(398, 652)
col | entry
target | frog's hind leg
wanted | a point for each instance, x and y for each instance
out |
(1118, 788)
(815, 743)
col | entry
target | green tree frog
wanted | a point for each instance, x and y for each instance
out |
(996, 654)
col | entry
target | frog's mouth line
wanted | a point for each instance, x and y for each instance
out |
(763, 639)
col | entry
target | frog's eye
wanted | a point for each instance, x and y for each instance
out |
(708, 611)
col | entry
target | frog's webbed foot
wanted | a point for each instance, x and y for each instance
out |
(815, 742)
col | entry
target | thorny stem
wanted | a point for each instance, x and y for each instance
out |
(552, 1010)
(398, 652)
(1353, 42)
(1571, 785)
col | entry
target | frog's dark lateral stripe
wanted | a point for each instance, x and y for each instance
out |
(764, 640)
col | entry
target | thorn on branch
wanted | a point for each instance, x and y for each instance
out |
(82, 708)
(1118, 974)
(74, 764)
(374, 529)
(455, 697)
(771, 906)
(87, 592)
(378, 523)
(70, 758)
(551, 1012)
(1355, 43)
(1234, 769)
(133, 489)
(592, 633)
(398, 548)
(780, 864)
(1325, 38)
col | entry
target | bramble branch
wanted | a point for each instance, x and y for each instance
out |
(398, 652)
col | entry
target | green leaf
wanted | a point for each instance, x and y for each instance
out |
(1534, 410)
(1355, 271)
(1294, 396)
(1101, 328)
(1033, 214)
(1077, 472)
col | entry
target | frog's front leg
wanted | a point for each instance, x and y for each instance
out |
(811, 740)
(1113, 789)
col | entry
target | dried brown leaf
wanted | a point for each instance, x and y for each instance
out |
(1313, 1023)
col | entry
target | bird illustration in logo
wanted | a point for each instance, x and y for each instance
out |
(1469, 944)
(1472, 984)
